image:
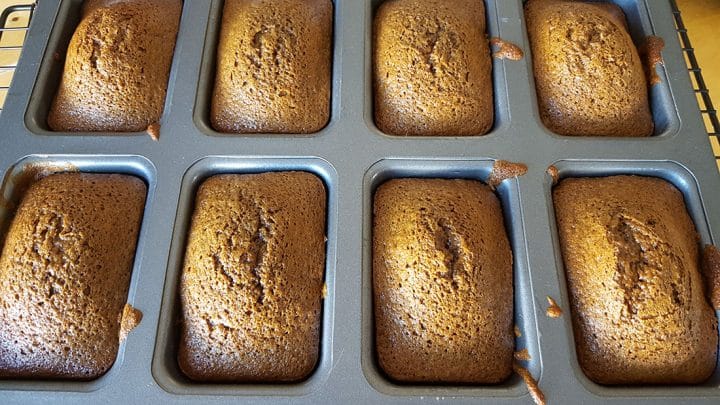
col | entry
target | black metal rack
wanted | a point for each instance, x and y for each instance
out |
(704, 101)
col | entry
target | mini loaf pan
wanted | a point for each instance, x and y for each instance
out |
(508, 193)
(206, 80)
(165, 367)
(31, 168)
(352, 157)
(677, 175)
(67, 18)
(640, 26)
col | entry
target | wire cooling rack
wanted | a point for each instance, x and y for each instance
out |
(15, 21)
(712, 125)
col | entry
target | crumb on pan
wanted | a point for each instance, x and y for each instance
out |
(154, 131)
(553, 172)
(517, 331)
(554, 310)
(324, 290)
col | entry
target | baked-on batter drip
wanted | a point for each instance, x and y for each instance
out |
(129, 320)
(522, 355)
(442, 282)
(535, 392)
(432, 71)
(554, 174)
(639, 310)
(117, 67)
(506, 50)
(251, 286)
(553, 310)
(651, 51)
(274, 62)
(153, 130)
(588, 74)
(503, 170)
(64, 275)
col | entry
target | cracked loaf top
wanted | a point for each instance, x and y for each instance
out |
(632, 260)
(64, 275)
(251, 287)
(588, 74)
(117, 66)
(442, 282)
(273, 67)
(432, 72)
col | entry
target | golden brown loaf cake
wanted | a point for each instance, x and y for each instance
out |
(442, 282)
(251, 287)
(632, 264)
(64, 275)
(432, 71)
(117, 66)
(588, 75)
(273, 67)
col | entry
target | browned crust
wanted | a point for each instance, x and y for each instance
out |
(64, 275)
(274, 67)
(711, 270)
(117, 67)
(588, 74)
(432, 69)
(30, 174)
(636, 294)
(251, 284)
(442, 282)
(615, 12)
(506, 49)
(503, 170)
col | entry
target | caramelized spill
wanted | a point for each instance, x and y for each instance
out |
(129, 320)
(154, 131)
(554, 310)
(522, 355)
(554, 174)
(532, 385)
(651, 52)
(711, 270)
(505, 49)
(502, 170)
